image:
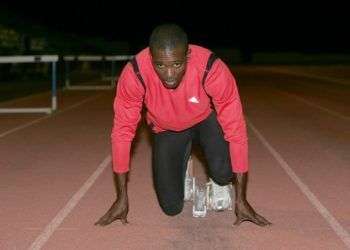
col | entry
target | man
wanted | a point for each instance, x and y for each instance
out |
(189, 97)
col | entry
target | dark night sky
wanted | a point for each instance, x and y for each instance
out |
(280, 26)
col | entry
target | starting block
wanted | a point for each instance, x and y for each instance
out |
(210, 197)
(189, 181)
(219, 198)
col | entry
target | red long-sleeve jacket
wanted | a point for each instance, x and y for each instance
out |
(180, 108)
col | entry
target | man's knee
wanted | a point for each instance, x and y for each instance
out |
(172, 210)
(222, 176)
(221, 172)
(222, 180)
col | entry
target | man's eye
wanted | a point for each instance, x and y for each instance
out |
(160, 66)
(177, 65)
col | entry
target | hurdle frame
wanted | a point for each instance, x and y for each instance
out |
(92, 58)
(53, 59)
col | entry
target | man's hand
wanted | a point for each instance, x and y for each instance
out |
(118, 211)
(120, 208)
(243, 210)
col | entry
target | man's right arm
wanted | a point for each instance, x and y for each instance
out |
(127, 114)
(120, 208)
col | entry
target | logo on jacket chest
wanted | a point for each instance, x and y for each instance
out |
(193, 99)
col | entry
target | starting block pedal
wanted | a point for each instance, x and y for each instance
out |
(199, 208)
(219, 198)
(210, 197)
(189, 182)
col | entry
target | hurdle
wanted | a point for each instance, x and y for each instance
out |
(93, 58)
(53, 59)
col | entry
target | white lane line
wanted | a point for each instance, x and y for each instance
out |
(15, 129)
(344, 82)
(65, 211)
(335, 225)
(59, 229)
(329, 111)
(328, 79)
(46, 93)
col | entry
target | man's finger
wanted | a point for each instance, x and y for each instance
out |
(99, 221)
(124, 221)
(238, 221)
(103, 218)
(259, 220)
(263, 221)
(110, 219)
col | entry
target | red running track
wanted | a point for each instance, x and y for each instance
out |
(56, 177)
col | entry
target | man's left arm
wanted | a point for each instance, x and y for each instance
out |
(243, 210)
(222, 88)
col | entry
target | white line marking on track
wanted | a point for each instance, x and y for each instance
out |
(344, 82)
(335, 225)
(46, 117)
(65, 211)
(334, 113)
(46, 93)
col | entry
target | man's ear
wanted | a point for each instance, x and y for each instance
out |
(150, 54)
(188, 52)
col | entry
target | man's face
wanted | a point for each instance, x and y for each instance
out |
(170, 65)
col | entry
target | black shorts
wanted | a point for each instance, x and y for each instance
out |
(171, 152)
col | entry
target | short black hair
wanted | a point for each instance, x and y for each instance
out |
(168, 36)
